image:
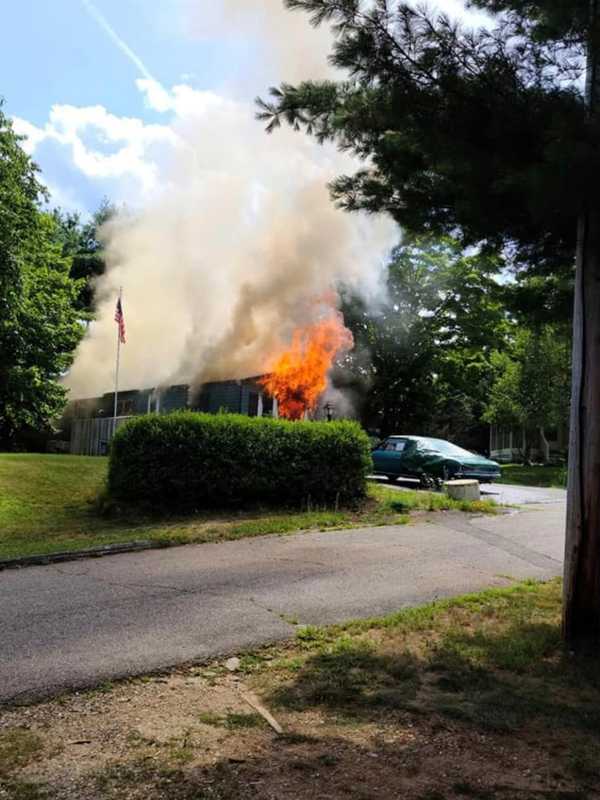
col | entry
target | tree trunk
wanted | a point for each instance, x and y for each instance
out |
(581, 606)
(527, 449)
(545, 445)
(581, 613)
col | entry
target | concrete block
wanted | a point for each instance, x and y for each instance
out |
(463, 489)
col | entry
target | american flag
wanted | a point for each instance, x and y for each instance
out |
(120, 320)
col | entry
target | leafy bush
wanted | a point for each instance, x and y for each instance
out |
(186, 460)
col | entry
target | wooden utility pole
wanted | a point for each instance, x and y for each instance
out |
(581, 606)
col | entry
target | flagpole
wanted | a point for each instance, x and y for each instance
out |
(117, 368)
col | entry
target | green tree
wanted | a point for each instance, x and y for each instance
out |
(487, 133)
(392, 365)
(424, 355)
(532, 385)
(82, 244)
(39, 326)
(471, 323)
(472, 134)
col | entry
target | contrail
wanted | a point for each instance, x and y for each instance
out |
(123, 46)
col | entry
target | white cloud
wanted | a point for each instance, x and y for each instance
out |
(157, 97)
(186, 102)
(34, 135)
(103, 146)
(125, 158)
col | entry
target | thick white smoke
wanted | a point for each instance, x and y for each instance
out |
(240, 246)
(282, 44)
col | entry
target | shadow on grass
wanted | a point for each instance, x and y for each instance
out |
(321, 767)
(496, 680)
(351, 677)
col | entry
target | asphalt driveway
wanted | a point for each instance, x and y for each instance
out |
(522, 495)
(504, 494)
(76, 624)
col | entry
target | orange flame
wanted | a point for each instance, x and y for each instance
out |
(299, 376)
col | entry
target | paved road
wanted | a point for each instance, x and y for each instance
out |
(502, 493)
(76, 624)
(522, 495)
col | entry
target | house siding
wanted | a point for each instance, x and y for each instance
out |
(174, 398)
(238, 397)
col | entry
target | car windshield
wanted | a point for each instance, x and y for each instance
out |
(446, 448)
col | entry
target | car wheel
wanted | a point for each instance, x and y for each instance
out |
(452, 471)
(425, 482)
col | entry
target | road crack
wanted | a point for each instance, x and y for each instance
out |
(497, 540)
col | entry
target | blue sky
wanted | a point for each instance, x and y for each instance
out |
(75, 90)
(58, 55)
(55, 52)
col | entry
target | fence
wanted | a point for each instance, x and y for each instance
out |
(91, 437)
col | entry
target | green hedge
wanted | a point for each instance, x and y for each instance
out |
(189, 461)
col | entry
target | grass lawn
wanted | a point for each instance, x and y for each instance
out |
(47, 505)
(466, 698)
(545, 476)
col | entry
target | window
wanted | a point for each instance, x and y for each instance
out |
(125, 408)
(253, 404)
(267, 406)
(395, 445)
(445, 448)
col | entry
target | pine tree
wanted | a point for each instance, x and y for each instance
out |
(486, 135)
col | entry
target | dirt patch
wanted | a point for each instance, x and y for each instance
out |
(474, 700)
(152, 740)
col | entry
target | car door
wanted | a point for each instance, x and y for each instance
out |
(412, 459)
(387, 457)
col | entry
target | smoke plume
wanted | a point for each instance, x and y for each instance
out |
(241, 245)
(282, 43)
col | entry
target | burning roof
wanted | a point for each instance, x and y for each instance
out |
(298, 377)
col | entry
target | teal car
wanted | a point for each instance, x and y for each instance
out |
(430, 460)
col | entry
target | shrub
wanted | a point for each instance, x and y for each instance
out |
(189, 461)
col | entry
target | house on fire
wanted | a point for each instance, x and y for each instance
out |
(88, 423)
